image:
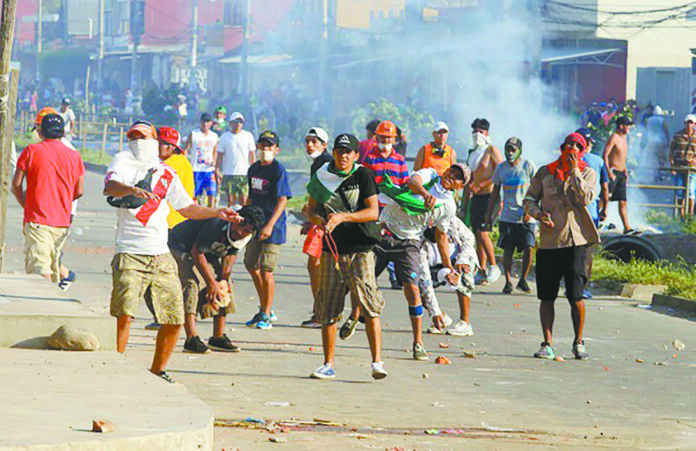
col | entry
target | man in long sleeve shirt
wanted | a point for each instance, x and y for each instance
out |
(558, 197)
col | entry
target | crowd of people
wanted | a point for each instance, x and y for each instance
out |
(365, 211)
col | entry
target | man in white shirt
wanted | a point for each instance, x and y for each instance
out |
(201, 150)
(236, 151)
(68, 117)
(142, 187)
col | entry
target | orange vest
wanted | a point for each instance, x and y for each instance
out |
(439, 163)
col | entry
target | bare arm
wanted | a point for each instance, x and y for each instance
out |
(608, 147)
(118, 189)
(492, 204)
(187, 147)
(443, 247)
(454, 156)
(367, 214)
(313, 212)
(277, 212)
(214, 289)
(17, 182)
(415, 184)
(532, 200)
(418, 164)
(196, 211)
(79, 187)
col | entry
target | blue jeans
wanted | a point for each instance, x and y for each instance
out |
(680, 180)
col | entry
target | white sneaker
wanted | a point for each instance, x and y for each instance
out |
(494, 274)
(461, 329)
(434, 330)
(378, 371)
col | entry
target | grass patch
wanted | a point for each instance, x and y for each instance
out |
(667, 223)
(680, 278)
(95, 157)
(296, 203)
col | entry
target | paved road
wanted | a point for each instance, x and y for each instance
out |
(636, 391)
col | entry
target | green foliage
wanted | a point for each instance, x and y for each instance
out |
(415, 125)
(296, 203)
(679, 277)
(95, 157)
(667, 223)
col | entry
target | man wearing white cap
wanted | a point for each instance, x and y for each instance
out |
(437, 154)
(682, 153)
(236, 152)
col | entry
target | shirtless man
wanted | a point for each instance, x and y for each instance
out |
(615, 152)
(483, 159)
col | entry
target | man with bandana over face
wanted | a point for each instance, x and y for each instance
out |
(142, 188)
(516, 228)
(558, 198)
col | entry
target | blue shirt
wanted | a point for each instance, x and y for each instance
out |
(596, 163)
(267, 184)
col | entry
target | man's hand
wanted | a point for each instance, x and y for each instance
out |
(334, 220)
(463, 269)
(144, 194)
(612, 177)
(453, 278)
(228, 214)
(439, 322)
(526, 218)
(430, 201)
(266, 232)
(545, 219)
(214, 293)
(305, 227)
(218, 175)
(572, 160)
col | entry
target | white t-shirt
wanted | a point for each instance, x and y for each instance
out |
(68, 117)
(144, 230)
(202, 149)
(236, 148)
(411, 227)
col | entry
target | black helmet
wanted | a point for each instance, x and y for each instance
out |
(52, 126)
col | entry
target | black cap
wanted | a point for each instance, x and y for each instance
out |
(514, 142)
(52, 126)
(586, 133)
(346, 141)
(206, 117)
(372, 125)
(269, 136)
(624, 120)
(66, 101)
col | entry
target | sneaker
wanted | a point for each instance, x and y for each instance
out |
(222, 344)
(311, 323)
(586, 294)
(461, 329)
(545, 352)
(419, 352)
(508, 288)
(65, 283)
(165, 377)
(396, 285)
(195, 345)
(434, 330)
(258, 317)
(153, 326)
(348, 328)
(480, 279)
(522, 285)
(325, 371)
(378, 371)
(494, 274)
(579, 351)
(265, 323)
(273, 317)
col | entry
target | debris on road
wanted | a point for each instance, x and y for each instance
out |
(469, 354)
(640, 360)
(444, 345)
(102, 426)
(425, 375)
(442, 360)
(678, 345)
(277, 404)
(277, 439)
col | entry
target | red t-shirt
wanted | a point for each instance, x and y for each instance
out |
(52, 170)
(364, 147)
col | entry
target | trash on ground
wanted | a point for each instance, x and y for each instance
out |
(102, 426)
(444, 345)
(678, 345)
(277, 439)
(442, 360)
(277, 404)
(469, 354)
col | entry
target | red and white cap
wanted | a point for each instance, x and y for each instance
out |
(169, 135)
(143, 127)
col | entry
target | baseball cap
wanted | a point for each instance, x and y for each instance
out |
(440, 126)
(346, 141)
(221, 109)
(624, 120)
(237, 117)
(586, 133)
(514, 142)
(42, 113)
(145, 127)
(318, 133)
(206, 117)
(52, 126)
(690, 117)
(169, 135)
(66, 101)
(269, 136)
(466, 172)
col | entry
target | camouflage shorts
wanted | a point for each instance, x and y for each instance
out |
(357, 276)
(135, 274)
(234, 185)
(194, 287)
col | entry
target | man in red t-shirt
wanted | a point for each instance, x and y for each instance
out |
(366, 145)
(55, 177)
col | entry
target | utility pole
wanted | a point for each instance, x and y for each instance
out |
(137, 24)
(7, 106)
(39, 34)
(244, 73)
(331, 27)
(323, 46)
(194, 44)
(100, 58)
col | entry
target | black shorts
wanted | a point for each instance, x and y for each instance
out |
(516, 236)
(404, 253)
(478, 210)
(567, 263)
(617, 187)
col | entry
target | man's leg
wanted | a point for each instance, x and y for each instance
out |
(167, 336)
(373, 329)
(526, 262)
(577, 314)
(547, 314)
(190, 325)
(218, 326)
(257, 279)
(267, 291)
(412, 294)
(464, 304)
(488, 248)
(623, 213)
(328, 341)
(481, 252)
(313, 270)
(507, 264)
(123, 324)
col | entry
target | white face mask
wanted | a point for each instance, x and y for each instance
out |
(384, 146)
(480, 140)
(315, 155)
(145, 150)
(265, 155)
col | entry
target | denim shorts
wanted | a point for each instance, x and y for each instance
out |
(680, 180)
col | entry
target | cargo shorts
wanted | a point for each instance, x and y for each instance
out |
(42, 248)
(194, 287)
(261, 255)
(134, 274)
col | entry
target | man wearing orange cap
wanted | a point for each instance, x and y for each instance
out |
(54, 179)
(558, 198)
(137, 183)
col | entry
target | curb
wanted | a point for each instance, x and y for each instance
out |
(662, 300)
(635, 291)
